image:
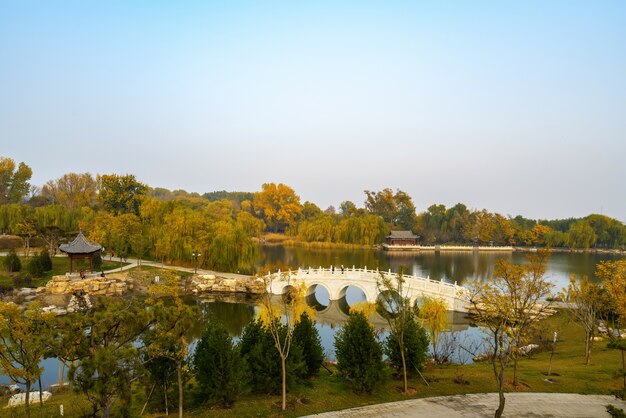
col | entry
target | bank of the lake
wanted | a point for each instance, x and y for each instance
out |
(329, 392)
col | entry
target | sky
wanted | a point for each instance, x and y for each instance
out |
(517, 107)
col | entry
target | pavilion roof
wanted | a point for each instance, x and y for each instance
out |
(402, 235)
(80, 245)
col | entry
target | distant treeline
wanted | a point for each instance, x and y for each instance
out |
(132, 218)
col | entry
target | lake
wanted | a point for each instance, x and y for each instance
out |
(448, 266)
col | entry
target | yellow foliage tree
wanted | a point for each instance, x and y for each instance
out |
(277, 204)
(434, 312)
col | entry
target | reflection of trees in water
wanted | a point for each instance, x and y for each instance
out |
(450, 266)
(234, 316)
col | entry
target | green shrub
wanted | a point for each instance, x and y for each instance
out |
(34, 267)
(615, 412)
(415, 347)
(359, 354)
(12, 262)
(220, 370)
(305, 335)
(46, 261)
(96, 260)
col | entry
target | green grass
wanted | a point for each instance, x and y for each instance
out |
(330, 392)
(60, 266)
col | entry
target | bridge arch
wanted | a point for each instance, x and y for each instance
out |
(313, 299)
(336, 282)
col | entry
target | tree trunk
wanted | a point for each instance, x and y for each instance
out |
(624, 369)
(406, 383)
(148, 400)
(40, 394)
(284, 366)
(167, 410)
(501, 399)
(587, 348)
(180, 389)
(27, 400)
(106, 410)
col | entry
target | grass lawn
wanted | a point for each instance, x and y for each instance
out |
(330, 392)
(60, 265)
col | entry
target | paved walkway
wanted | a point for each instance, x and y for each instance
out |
(131, 263)
(535, 405)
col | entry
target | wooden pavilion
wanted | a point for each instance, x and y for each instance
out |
(403, 238)
(80, 248)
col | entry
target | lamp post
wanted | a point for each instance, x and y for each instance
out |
(195, 256)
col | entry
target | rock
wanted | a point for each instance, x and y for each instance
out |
(15, 389)
(20, 398)
(54, 309)
(525, 350)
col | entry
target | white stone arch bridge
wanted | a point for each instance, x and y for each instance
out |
(336, 282)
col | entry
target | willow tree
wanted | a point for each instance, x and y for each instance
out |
(508, 306)
(434, 312)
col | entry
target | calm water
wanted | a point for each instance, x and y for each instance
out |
(449, 267)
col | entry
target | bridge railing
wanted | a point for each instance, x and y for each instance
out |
(338, 271)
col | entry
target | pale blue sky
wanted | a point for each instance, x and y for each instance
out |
(517, 107)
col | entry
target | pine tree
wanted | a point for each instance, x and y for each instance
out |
(305, 335)
(359, 354)
(35, 268)
(221, 372)
(45, 260)
(12, 262)
(415, 347)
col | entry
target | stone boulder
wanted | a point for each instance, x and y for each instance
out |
(20, 398)
(209, 283)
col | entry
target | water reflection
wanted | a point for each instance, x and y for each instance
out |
(447, 266)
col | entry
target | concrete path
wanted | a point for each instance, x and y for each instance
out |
(535, 405)
(131, 263)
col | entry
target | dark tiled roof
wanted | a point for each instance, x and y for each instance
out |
(402, 235)
(80, 245)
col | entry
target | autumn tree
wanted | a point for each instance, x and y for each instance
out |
(587, 302)
(72, 190)
(23, 339)
(120, 194)
(507, 306)
(278, 205)
(434, 312)
(14, 181)
(613, 275)
(396, 209)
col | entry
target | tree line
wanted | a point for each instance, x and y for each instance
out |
(131, 218)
